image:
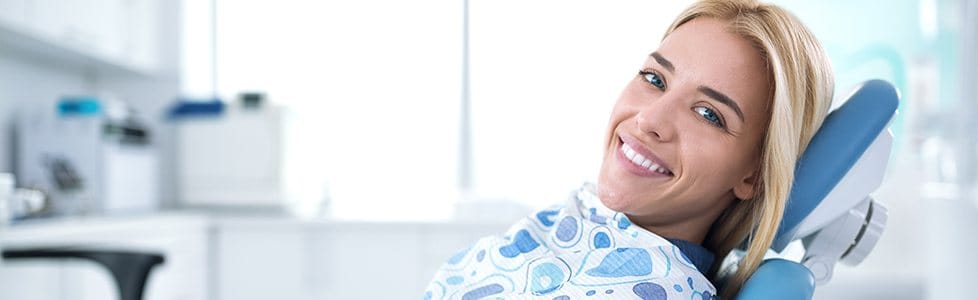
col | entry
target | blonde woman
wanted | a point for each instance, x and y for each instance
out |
(699, 158)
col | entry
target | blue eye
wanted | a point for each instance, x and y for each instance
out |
(653, 79)
(710, 116)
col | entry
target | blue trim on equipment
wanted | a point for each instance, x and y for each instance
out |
(79, 106)
(196, 108)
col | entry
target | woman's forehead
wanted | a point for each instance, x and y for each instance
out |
(704, 52)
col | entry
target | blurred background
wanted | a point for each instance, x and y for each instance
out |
(344, 149)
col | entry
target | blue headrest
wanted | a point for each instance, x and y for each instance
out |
(835, 148)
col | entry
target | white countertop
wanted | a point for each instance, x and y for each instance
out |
(68, 229)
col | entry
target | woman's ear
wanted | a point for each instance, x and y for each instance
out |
(747, 187)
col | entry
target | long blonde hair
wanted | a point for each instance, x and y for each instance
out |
(800, 98)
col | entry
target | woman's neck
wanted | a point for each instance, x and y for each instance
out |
(693, 230)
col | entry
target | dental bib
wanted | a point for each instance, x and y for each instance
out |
(577, 250)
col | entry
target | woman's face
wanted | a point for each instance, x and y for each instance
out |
(684, 139)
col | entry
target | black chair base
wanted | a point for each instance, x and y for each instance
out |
(129, 269)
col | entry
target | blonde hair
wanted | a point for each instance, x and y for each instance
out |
(801, 95)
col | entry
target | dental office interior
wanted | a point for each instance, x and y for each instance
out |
(227, 149)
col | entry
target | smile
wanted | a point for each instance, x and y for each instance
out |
(642, 161)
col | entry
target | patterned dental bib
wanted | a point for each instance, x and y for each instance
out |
(576, 250)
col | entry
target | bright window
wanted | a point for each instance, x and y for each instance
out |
(375, 91)
(545, 75)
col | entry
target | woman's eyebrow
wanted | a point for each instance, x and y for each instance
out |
(720, 97)
(663, 61)
(712, 93)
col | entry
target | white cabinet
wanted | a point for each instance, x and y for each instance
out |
(242, 257)
(118, 34)
(275, 259)
(279, 259)
(181, 239)
(94, 26)
(142, 34)
(13, 12)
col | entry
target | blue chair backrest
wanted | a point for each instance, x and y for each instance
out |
(846, 133)
(841, 141)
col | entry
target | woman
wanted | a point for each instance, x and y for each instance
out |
(699, 159)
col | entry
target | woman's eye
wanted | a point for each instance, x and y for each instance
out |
(710, 116)
(653, 79)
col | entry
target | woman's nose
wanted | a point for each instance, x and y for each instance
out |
(656, 118)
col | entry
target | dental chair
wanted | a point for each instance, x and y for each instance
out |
(829, 208)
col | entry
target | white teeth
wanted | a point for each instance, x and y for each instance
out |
(638, 159)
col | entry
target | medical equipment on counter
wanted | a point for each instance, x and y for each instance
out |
(88, 157)
(16, 203)
(230, 156)
(830, 208)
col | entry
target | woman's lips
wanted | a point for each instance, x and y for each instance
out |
(639, 160)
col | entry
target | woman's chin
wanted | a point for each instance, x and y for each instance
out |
(612, 198)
